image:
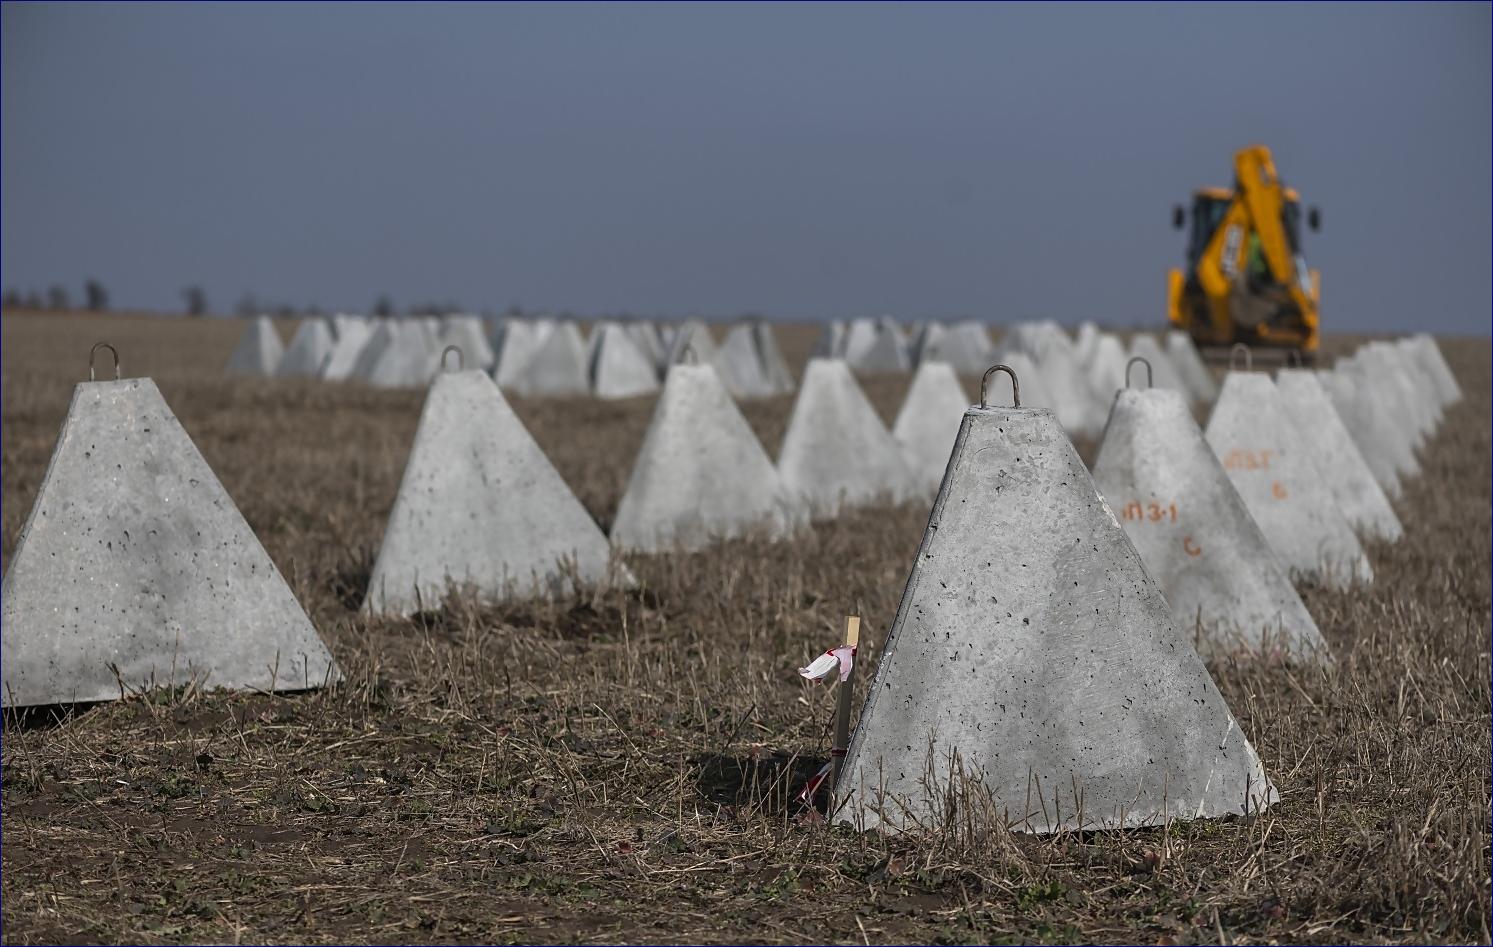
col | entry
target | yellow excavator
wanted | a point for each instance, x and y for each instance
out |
(1246, 279)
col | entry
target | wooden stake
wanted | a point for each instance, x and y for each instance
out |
(842, 707)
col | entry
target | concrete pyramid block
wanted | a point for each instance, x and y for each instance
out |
(831, 341)
(929, 420)
(309, 350)
(1388, 428)
(701, 474)
(774, 365)
(556, 366)
(340, 321)
(342, 360)
(1083, 341)
(396, 356)
(1194, 533)
(1163, 373)
(1337, 458)
(513, 346)
(480, 506)
(1368, 427)
(1251, 433)
(1190, 367)
(645, 334)
(259, 349)
(468, 335)
(932, 342)
(740, 365)
(836, 452)
(1032, 655)
(1428, 353)
(135, 558)
(619, 369)
(1106, 365)
(692, 336)
(1419, 404)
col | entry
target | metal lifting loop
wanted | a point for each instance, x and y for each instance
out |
(1293, 358)
(460, 359)
(1249, 357)
(1131, 364)
(688, 353)
(112, 350)
(985, 385)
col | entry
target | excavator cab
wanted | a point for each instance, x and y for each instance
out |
(1246, 278)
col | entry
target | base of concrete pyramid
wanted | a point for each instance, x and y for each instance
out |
(259, 349)
(136, 568)
(836, 451)
(1199, 544)
(481, 508)
(929, 420)
(1253, 437)
(701, 474)
(309, 350)
(1337, 458)
(1034, 666)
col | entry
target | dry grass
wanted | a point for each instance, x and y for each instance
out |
(621, 768)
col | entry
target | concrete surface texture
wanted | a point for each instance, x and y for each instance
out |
(740, 366)
(1188, 362)
(1336, 457)
(1033, 656)
(556, 366)
(1252, 435)
(1377, 422)
(480, 505)
(468, 334)
(619, 368)
(836, 451)
(701, 474)
(309, 350)
(513, 345)
(1163, 373)
(259, 349)
(1419, 407)
(1226, 588)
(135, 558)
(928, 421)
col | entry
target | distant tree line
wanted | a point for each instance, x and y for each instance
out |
(95, 298)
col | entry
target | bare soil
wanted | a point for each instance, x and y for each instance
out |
(623, 768)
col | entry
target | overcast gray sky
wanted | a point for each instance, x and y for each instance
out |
(1005, 162)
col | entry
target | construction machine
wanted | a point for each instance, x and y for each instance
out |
(1246, 279)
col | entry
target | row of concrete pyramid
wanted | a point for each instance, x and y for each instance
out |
(1074, 376)
(1044, 661)
(1038, 657)
(537, 358)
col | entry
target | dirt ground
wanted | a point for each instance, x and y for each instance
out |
(622, 768)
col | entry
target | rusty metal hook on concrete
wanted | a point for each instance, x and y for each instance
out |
(461, 360)
(93, 351)
(1249, 357)
(1150, 383)
(985, 385)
